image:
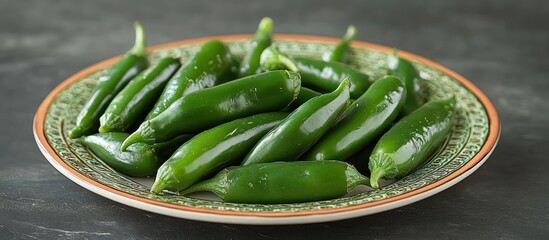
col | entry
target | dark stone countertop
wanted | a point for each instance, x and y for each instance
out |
(501, 46)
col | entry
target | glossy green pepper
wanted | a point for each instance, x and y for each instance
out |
(412, 140)
(139, 160)
(133, 62)
(316, 74)
(262, 39)
(134, 101)
(205, 69)
(363, 121)
(283, 182)
(405, 70)
(265, 92)
(338, 54)
(299, 131)
(212, 150)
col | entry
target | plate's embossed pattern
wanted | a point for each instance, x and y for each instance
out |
(468, 136)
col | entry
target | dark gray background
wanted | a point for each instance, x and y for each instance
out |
(501, 46)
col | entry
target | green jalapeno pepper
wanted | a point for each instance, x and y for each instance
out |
(212, 150)
(132, 103)
(205, 69)
(262, 39)
(338, 54)
(405, 70)
(412, 140)
(133, 62)
(139, 160)
(364, 120)
(299, 131)
(265, 92)
(316, 74)
(283, 182)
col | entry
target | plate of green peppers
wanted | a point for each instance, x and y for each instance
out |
(266, 128)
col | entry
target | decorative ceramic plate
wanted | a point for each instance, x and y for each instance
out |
(473, 138)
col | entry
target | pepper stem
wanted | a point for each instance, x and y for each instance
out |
(265, 26)
(158, 186)
(377, 174)
(140, 41)
(216, 185)
(272, 59)
(349, 35)
(133, 138)
(337, 55)
(354, 178)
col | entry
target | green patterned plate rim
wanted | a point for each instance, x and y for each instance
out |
(474, 136)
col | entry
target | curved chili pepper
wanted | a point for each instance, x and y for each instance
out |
(139, 160)
(316, 74)
(405, 70)
(338, 54)
(262, 39)
(283, 182)
(133, 62)
(363, 121)
(212, 150)
(206, 69)
(132, 103)
(299, 131)
(265, 92)
(412, 140)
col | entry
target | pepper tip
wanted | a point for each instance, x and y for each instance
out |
(345, 84)
(157, 187)
(76, 132)
(103, 129)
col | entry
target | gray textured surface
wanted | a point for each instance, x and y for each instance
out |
(501, 46)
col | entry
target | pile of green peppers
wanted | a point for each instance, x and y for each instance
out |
(270, 128)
